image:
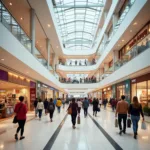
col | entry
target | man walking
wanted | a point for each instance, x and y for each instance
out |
(121, 110)
(85, 106)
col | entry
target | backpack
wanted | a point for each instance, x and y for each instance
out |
(50, 107)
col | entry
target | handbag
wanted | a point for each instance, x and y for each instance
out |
(129, 123)
(98, 109)
(116, 123)
(15, 120)
(78, 120)
(70, 111)
(143, 126)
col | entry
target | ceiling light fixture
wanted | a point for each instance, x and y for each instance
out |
(10, 4)
(41, 46)
(56, 46)
(2, 59)
(21, 18)
(135, 23)
(49, 25)
(122, 40)
(37, 42)
(130, 30)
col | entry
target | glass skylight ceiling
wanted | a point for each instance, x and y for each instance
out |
(78, 22)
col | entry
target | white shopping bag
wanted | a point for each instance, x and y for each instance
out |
(143, 126)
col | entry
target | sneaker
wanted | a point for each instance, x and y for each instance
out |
(120, 132)
(135, 136)
(22, 137)
(16, 137)
(124, 132)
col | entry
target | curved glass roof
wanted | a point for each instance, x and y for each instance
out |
(78, 22)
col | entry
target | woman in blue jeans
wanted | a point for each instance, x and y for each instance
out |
(135, 110)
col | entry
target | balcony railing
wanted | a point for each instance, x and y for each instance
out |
(13, 26)
(137, 49)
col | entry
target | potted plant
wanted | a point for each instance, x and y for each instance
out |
(146, 110)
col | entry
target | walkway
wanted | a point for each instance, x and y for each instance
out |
(91, 134)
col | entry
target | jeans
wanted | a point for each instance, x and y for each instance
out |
(58, 109)
(85, 111)
(21, 124)
(104, 106)
(40, 113)
(51, 113)
(135, 120)
(113, 108)
(124, 118)
(36, 111)
(73, 118)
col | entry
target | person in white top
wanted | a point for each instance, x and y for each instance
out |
(100, 102)
(40, 107)
(79, 105)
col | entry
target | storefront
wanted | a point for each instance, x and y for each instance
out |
(11, 87)
(141, 89)
(44, 91)
(107, 93)
(123, 88)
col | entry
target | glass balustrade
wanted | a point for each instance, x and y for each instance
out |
(137, 49)
(11, 24)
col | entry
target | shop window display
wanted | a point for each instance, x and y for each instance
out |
(120, 91)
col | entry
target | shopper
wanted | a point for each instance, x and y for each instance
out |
(113, 103)
(63, 102)
(105, 101)
(135, 110)
(79, 105)
(74, 108)
(45, 105)
(35, 105)
(40, 107)
(95, 107)
(21, 111)
(122, 110)
(100, 102)
(51, 109)
(85, 106)
(58, 104)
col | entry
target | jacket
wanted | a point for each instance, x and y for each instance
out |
(59, 103)
(21, 111)
(40, 105)
(85, 104)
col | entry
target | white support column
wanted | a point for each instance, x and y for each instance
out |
(101, 72)
(32, 30)
(105, 15)
(48, 52)
(115, 58)
(105, 38)
(115, 20)
(106, 66)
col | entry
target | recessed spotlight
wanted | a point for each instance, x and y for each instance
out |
(10, 4)
(2, 59)
(41, 46)
(122, 40)
(27, 72)
(37, 42)
(130, 30)
(49, 25)
(56, 46)
(135, 23)
(21, 18)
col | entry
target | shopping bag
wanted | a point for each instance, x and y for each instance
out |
(78, 120)
(116, 123)
(143, 126)
(98, 109)
(70, 111)
(129, 123)
(15, 120)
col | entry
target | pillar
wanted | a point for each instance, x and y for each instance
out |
(105, 15)
(105, 38)
(106, 66)
(32, 30)
(48, 52)
(114, 20)
(115, 58)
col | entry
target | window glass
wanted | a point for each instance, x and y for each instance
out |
(133, 90)
(149, 90)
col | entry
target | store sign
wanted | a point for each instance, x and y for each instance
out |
(134, 80)
(18, 80)
(32, 94)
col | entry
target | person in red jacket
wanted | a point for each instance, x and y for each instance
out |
(21, 111)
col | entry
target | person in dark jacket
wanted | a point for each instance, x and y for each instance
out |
(21, 111)
(45, 105)
(95, 106)
(135, 110)
(51, 109)
(85, 106)
(74, 107)
(35, 105)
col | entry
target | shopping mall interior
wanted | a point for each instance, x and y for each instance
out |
(74, 49)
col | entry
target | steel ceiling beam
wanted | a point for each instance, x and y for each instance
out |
(78, 6)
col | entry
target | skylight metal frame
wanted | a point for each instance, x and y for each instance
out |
(78, 19)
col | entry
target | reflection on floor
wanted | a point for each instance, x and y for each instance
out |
(86, 136)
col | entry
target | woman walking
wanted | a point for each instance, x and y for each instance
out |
(79, 105)
(74, 108)
(21, 111)
(95, 106)
(40, 107)
(51, 109)
(135, 110)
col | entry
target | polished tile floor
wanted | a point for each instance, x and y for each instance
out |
(87, 136)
